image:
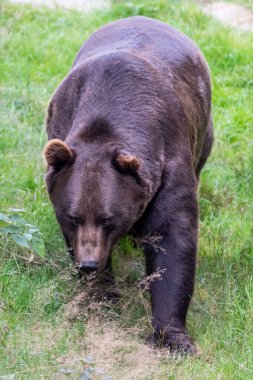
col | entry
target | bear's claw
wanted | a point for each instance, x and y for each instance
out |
(176, 339)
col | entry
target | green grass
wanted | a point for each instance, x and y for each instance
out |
(38, 339)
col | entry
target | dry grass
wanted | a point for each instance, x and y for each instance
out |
(111, 340)
(119, 352)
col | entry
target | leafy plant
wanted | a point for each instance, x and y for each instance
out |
(22, 233)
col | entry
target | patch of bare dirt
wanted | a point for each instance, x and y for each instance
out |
(230, 14)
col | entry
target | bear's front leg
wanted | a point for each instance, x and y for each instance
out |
(170, 260)
(171, 287)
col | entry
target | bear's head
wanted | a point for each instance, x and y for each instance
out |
(98, 192)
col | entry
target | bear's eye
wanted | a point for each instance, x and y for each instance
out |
(105, 222)
(74, 220)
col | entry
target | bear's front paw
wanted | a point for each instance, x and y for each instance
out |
(174, 338)
(111, 295)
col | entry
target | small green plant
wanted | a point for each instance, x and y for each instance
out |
(22, 233)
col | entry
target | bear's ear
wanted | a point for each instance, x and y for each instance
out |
(57, 153)
(126, 162)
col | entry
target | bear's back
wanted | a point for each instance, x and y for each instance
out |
(143, 78)
(160, 44)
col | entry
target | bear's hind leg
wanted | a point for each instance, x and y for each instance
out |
(206, 148)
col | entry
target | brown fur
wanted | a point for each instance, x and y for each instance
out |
(134, 117)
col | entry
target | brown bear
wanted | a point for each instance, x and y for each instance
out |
(129, 131)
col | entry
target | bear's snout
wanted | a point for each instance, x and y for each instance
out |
(88, 266)
(90, 247)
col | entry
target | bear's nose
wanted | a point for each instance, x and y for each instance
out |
(88, 266)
